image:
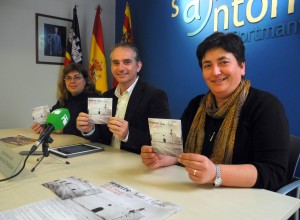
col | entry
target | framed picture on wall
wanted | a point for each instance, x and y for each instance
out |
(51, 38)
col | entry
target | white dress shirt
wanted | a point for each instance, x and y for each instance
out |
(121, 110)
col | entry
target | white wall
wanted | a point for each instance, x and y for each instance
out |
(25, 84)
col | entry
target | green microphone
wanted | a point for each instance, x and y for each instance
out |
(56, 120)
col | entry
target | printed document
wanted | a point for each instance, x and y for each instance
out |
(79, 199)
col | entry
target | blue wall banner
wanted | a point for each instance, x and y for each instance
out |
(168, 32)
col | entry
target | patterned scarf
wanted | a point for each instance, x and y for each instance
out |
(230, 111)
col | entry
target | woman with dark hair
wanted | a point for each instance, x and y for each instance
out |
(74, 89)
(234, 135)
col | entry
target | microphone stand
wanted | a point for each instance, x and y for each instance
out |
(45, 147)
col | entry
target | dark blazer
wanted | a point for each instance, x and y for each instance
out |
(145, 102)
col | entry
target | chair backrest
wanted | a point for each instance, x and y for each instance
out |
(293, 171)
(296, 174)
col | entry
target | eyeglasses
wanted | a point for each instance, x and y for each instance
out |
(75, 78)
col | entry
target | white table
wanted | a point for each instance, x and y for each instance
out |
(167, 184)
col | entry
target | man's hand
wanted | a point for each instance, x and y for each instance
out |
(118, 127)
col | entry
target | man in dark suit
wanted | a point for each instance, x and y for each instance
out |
(134, 101)
(55, 44)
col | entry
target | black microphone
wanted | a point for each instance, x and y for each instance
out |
(56, 120)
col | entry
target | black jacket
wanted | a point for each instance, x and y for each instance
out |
(145, 102)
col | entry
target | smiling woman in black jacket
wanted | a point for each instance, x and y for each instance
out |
(235, 135)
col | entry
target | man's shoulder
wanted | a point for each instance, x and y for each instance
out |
(93, 94)
(109, 93)
(142, 85)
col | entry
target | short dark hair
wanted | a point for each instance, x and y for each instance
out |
(136, 52)
(230, 42)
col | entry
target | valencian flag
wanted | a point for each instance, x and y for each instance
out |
(73, 50)
(97, 65)
(127, 28)
(126, 31)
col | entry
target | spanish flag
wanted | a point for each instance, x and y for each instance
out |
(73, 51)
(97, 64)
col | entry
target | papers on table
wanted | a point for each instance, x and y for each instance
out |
(71, 188)
(9, 161)
(118, 201)
(10, 164)
(111, 200)
(17, 141)
(48, 210)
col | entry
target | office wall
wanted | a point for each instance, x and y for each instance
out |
(167, 33)
(23, 83)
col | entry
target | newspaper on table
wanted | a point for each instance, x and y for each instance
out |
(100, 110)
(40, 114)
(166, 136)
(17, 141)
(49, 209)
(118, 201)
(71, 187)
(111, 200)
